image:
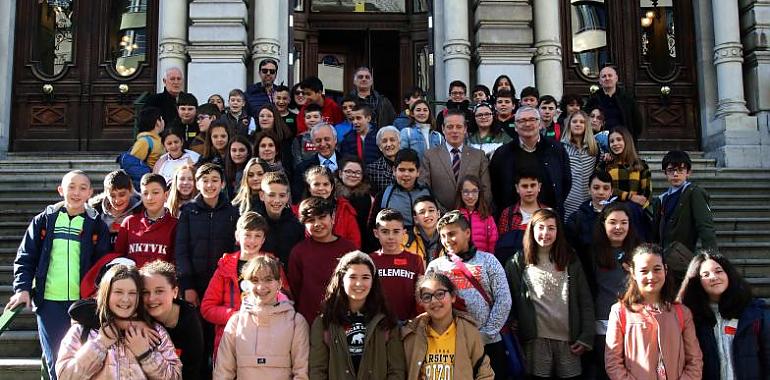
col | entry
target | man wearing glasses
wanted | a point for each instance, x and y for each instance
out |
(529, 152)
(383, 112)
(262, 92)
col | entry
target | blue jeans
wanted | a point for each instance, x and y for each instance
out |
(53, 322)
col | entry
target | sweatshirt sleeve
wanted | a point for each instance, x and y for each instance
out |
(79, 361)
(141, 149)
(501, 296)
(693, 357)
(300, 348)
(614, 354)
(121, 243)
(162, 363)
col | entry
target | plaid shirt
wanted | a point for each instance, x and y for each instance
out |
(627, 182)
(503, 224)
(380, 174)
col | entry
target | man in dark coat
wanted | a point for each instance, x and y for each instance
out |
(383, 112)
(173, 82)
(262, 92)
(618, 106)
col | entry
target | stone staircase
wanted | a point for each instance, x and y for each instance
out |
(739, 199)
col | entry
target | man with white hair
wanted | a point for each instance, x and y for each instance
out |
(324, 137)
(383, 112)
(173, 82)
(380, 172)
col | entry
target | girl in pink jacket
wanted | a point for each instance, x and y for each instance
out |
(122, 348)
(649, 335)
(471, 202)
(265, 339)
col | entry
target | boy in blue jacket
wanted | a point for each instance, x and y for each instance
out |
(58, 249)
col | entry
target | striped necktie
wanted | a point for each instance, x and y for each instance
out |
(456, 162)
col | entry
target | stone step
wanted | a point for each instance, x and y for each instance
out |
(744, 250)
(741, 223)
(746, 236)
(19, 344)
(760, 286)
(20, 368)
(753, 267)
(753, 211)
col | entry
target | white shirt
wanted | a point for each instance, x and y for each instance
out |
(333, 164)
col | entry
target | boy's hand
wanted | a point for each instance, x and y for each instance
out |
(191, 296)
(19, 298)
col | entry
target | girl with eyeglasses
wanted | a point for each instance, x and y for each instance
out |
(353, 186)
(443, 343)
(489, 136)
(472, 203)
(319, 182)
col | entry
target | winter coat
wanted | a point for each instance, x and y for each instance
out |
(402, 120)
(256, 97)
(383, 112)
(750, 349)
(691, 220)
(265, 343)
(579, 231)
(34, 254)
(285, 233)
(91, 360)
(143, 242)
(580, 303)
(629, 110)
(632, 352)
(382, 359)
(348, 145)
(483, 230)
(204, 234)
(412, 138)
(345, 221)
(469, 351)
(223, 295)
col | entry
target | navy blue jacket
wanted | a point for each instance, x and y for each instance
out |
(34, 253)
(349, 145)
(284, 234)
(751, 345)
(203, 235)
(256, 97)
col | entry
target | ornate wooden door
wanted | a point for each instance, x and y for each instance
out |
(78, 67)
(652, 45)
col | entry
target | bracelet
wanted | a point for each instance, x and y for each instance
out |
(143, 356)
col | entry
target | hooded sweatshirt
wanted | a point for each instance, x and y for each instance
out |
(144, 241)
(113, 220)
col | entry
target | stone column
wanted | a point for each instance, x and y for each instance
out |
(456, 47)
(503, 41)
(267, 34)
(7, 32)
(172, 38)
(735, 140)
(548, 68)
(755, 25)
(218, 47)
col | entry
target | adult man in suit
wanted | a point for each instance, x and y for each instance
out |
(325, 139)
(445, 165)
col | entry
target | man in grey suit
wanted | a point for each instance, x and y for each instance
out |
(445, 165)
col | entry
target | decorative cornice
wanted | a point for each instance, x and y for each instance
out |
(548, 51)
(265, 47)
(457, 49)
(171, 48)
(728, 52)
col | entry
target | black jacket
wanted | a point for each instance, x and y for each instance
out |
(285, 232)
(580, 229)
(632, 117)
(203, 235)
(166, 103)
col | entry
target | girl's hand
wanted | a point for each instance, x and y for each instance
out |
(19, 298)
(108, 335)
(136, 341)
(641, 200)
(607, 157)
(150, 333)
(577, 349)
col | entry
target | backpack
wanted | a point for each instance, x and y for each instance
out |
(677, 309)
(135, 167)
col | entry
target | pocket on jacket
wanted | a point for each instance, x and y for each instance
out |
(270, 361)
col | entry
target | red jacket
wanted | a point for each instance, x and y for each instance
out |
(144, 242)
(223, 295)
(330, 113)
(345, 222)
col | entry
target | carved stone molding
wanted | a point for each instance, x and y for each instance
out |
(455, 49)
(549, 50)
(172, 49)
(266, 48)
(728, 52)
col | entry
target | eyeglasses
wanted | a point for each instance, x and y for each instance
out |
(439, 295)
(680, 170)
(352, 173)
(457, 93)
(471, 192)
(484, 115)
(299, 92)
(203, 117)
(268, 71)
(528, 120)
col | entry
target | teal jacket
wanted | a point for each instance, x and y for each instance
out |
(580, 302)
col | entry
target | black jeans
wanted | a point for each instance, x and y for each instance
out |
(497, 359)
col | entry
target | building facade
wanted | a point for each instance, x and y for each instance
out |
(71, 70)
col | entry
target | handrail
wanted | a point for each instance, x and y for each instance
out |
(8, 317)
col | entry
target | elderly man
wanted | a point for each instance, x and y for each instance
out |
(380, 172)
(382, 110)
(444, 166)
(325, 139)
(173, 85)
(529, 151)
(618, 106)
(262, 92)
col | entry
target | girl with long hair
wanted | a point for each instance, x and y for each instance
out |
(631, 177)
(649, 334)
(422, 134)
(353, 186)
(319, 182)
(238, 154)
(269, 119)
(578, 141)
(489, 136)
(553, 312)
(247, 198)
(182, 189)
(356, 335)
(215, 147)
(176, 155)
(429, 336)
(268, 148)
(472, 203)
(119, 349)
(733, 327)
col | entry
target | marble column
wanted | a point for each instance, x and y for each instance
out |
(172, 38)
(267, 34)
(503, 41)
(218, 47)
(755, 27)
(548, 68)
(7, 32)
(456, 46)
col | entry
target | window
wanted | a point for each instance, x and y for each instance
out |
(369, 6)
(54, 46)
(129, 31)
(658, 37)
(589, 36)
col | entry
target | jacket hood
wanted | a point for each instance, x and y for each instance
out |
(90, 212)
(465, 104)
(420, 323)
(263, 315)
(229, 264)
(101, 202)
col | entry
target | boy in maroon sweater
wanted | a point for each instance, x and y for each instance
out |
(312, 261)
(149, 235)
(398, 269)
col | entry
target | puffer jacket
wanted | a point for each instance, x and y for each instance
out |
(483, 230)
(91, 360)
(469, 351)
(383, 357)
(345, 221)
(267, 343)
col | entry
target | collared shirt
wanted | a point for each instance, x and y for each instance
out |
(449, 148)
(332, 161)
(526, 148)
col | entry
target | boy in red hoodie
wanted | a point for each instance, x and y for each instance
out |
(227, 288)
(149, 235)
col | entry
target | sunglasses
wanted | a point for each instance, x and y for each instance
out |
(267, 71)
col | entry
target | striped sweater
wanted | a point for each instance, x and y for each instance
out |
(582, 164)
